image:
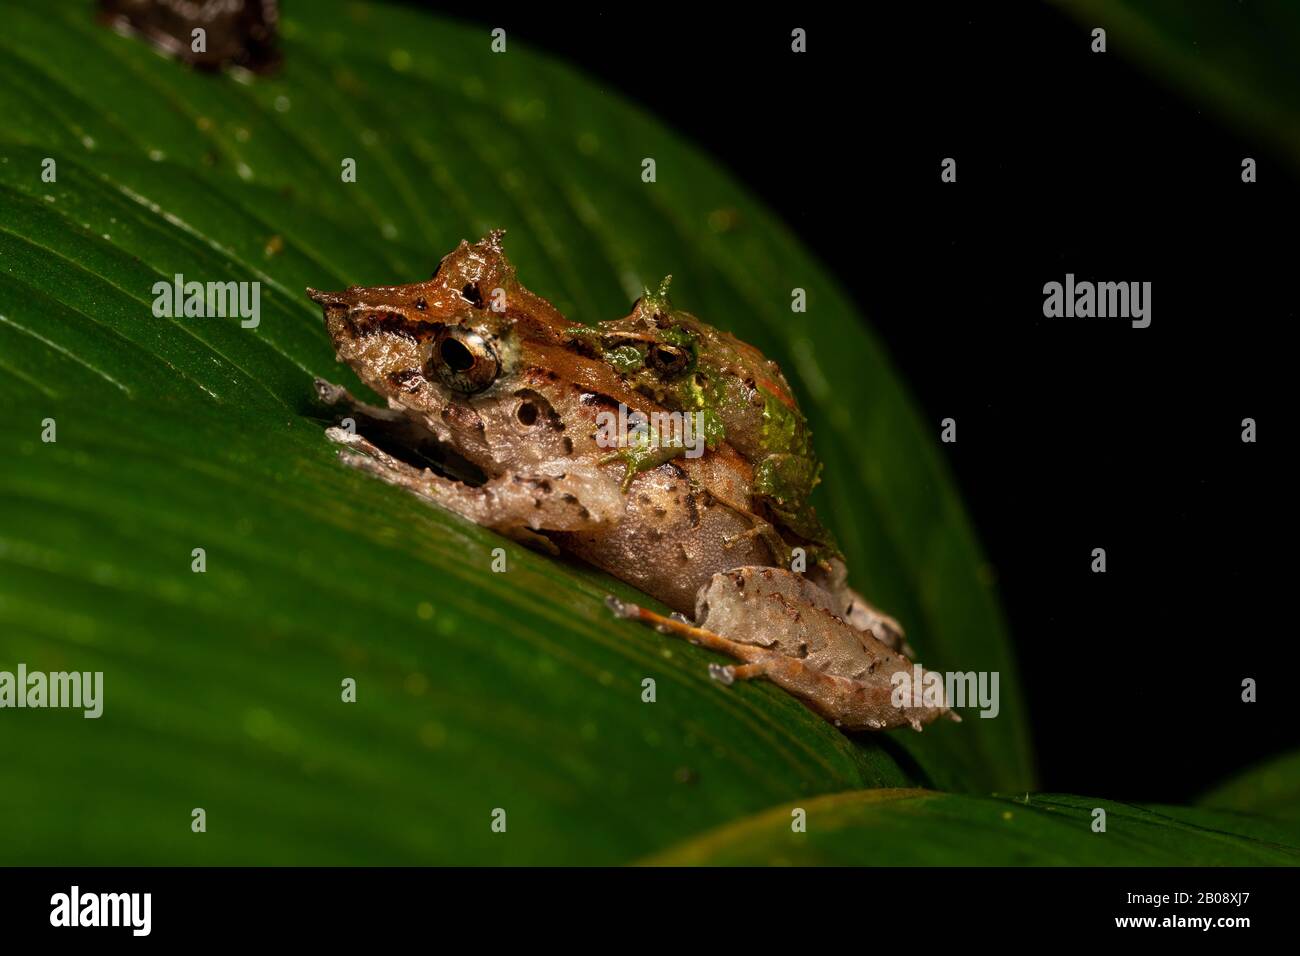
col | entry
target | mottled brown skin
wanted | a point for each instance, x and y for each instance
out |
(479, 379)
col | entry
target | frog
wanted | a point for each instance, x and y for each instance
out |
(492, 410)
(739, 396)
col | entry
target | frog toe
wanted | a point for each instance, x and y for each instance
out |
(724, 674)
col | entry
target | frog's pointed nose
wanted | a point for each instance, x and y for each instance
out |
(327, 299)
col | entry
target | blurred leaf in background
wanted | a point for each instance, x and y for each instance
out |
(1271, 789)
(923, 828)
(1238, 58)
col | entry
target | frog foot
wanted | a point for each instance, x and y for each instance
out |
(629, 467)
(340, 401)
(728, 674)
(639, 458)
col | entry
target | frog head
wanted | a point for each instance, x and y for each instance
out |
(655, 348)
(429, 345)
(473, 357)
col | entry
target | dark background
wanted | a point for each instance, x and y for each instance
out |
(1071, 434)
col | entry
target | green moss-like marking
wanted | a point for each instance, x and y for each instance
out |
(625, 359)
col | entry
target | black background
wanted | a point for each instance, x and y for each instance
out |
(1072, 434)
(337, 909)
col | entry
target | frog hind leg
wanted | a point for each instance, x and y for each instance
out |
(866, 617)
(848, 704)
(678, 625)
(784, 671)
(857, 610)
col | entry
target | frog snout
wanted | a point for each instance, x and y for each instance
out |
(329, 300)
(335, 307)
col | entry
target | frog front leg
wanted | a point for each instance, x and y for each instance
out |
(642, 456)
(782, 553)
(365, 418)
(556, 496)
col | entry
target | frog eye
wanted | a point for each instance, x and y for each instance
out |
(463, 360)
(667, 359)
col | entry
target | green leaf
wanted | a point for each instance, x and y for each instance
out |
(1238, 58)
(476, 690)
(924, 828)
(1270, 789)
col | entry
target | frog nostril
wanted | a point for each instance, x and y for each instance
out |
(471, 293)
(527, 413)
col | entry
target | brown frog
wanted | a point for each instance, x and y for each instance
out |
(495, 414)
